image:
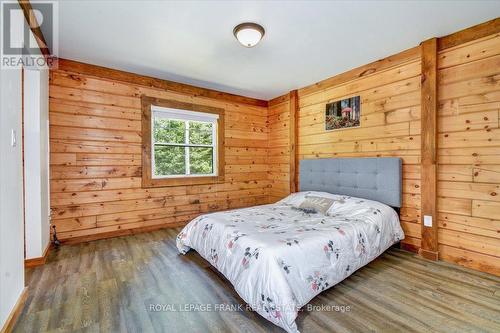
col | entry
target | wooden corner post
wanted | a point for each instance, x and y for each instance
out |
(428, 164)
(294, 161)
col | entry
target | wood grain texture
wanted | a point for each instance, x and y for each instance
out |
(278, 100)
(359, 72)
(150, 82)
(282, 153)
(95, 142)
(428, 166)
(294, 133)
(470, 34)
(451, 157)
(32, 262)
(469, 152)
(109, 285)
(390, 125)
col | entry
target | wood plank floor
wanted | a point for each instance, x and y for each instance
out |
(109, 285)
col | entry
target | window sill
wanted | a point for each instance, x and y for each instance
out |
(180, 181)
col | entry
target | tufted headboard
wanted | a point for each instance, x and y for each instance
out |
(377, 179)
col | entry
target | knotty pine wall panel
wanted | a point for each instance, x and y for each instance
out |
(95, 144)
(390, 126)
(469, 154)
(279, 148)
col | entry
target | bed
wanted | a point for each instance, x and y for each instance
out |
(280, 256)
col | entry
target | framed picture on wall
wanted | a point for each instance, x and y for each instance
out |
(343, 114)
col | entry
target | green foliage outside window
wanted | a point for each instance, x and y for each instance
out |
(169, 131)
(200, 133)
(200, 160)
(170, 159)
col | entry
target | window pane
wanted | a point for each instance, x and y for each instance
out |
(201, 161)
(169, 131)
(200, 133)
(169, 160)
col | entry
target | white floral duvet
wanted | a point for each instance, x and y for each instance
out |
(279, 257)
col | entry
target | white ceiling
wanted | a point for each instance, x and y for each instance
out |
(305, 41)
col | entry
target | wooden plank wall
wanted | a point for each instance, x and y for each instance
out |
(95, 142)
(469, 154)
(96, 148)
(279, 148)
(390, 126)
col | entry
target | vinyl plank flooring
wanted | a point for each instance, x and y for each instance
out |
(111, 285)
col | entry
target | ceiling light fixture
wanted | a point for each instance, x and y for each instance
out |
(248, 34)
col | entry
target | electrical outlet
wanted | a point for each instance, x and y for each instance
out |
(427, 220)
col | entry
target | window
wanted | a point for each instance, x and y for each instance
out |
(182, 143)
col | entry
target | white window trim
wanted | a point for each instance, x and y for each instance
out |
(179, 114)
(185, 115)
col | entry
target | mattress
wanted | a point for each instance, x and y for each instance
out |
(278, 257)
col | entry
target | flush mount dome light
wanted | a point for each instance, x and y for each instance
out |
(248, 34)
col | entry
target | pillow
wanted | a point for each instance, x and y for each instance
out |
(295, 199)
(317, 204)
(354, 206)
(339, 205)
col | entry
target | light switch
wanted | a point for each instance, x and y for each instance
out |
(13, 138)
(427, 220)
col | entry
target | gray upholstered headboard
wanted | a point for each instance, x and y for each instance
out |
(370, 178)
